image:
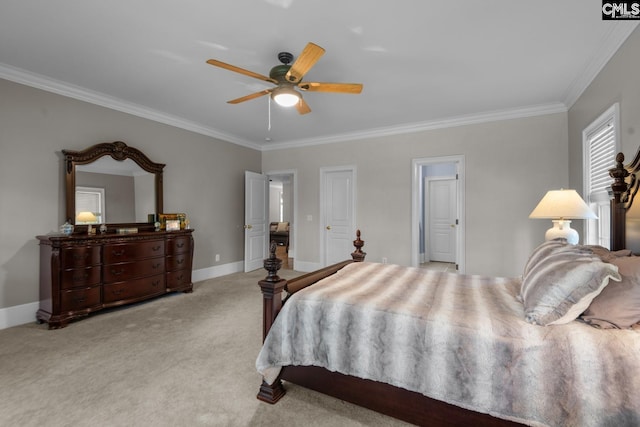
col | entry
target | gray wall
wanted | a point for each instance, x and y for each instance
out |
(119, 194)
(204, 177)
(509, 166)
(617, 82)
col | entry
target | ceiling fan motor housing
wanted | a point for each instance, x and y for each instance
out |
(278, 73)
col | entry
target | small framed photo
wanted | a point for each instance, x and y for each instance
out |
(173, 224)
(164, 218)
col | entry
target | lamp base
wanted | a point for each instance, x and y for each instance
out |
(562, 229)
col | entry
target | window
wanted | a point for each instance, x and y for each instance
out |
(89, 199)
(599, 147)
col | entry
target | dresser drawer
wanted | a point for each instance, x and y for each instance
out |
(178, 279)
(80, 256)
(120, 252)
(80, 299)
(80, 277)
(129, 270)
(178, 262)
(139, 288)
(178, 245)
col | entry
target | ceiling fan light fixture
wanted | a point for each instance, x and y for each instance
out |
(285, 96)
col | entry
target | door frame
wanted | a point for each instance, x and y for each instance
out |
(293, 228)
(416, 208)
(322, 220)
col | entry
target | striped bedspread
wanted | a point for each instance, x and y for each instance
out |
(460, 339)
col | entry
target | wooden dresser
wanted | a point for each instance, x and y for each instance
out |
(80, 274)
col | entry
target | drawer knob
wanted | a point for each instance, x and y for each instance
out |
(155, 266)
(78, 257)
(80, 299)
(180, 245)
(118, 253)
(155, 283)
(118, 272)
(156, 248)
(180, 261)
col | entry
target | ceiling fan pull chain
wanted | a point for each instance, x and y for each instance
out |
(269, 127)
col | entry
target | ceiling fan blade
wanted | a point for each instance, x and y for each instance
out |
(230, 67)
(302, 106)
(307, 59)
(251, 96)
(331, 87)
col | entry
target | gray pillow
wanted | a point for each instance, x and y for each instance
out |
(618, 305)
(561, 280)
(543, 251)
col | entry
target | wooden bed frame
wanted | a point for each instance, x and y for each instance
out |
(397, 402)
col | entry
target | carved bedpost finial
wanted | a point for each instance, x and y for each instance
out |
(358, 255)
(619, 175)
(272, 264)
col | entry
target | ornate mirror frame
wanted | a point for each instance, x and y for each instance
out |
(118, 150)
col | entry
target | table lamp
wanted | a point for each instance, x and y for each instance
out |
(561, 206)
(86, 218)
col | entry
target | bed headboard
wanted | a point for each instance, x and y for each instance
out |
(625, 219)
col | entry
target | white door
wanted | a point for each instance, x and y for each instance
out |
(256, 226)
(337, 213)
(442, 217)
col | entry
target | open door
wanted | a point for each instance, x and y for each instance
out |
(256, 220)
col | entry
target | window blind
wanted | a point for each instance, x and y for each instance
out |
(602, 152)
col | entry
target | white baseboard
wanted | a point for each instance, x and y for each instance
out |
(25, 313)
(18, 314)
(217, 271)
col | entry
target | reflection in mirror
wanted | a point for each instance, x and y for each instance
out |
(114, 191)
(112, 183)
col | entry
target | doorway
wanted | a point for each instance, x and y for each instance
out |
(437, 226)
(283, 209)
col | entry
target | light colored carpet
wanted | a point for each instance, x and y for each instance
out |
(178, 360)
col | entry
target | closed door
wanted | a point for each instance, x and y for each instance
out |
(442, 212)
(338, 214)
(256, 227)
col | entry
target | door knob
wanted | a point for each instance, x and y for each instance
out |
(453, 226)
(248, 227)
(328, 227)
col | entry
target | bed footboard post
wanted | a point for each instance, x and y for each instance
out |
(358, 255)
(271, 287)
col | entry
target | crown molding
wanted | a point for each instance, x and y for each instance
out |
(48, 84)
(490, 116)
(618, 33)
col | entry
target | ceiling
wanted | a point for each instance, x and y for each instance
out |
(424, 64)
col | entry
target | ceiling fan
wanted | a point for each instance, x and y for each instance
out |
(288, 77)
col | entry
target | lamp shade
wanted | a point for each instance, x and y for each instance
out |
(562, 204)
(285, 96)
(86, 217)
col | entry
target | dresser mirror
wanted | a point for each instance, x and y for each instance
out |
(116, 183)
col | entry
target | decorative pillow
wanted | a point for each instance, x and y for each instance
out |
(542, 252)
(606, 255)
(561, 280)
(618, 305)
(283, 226)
